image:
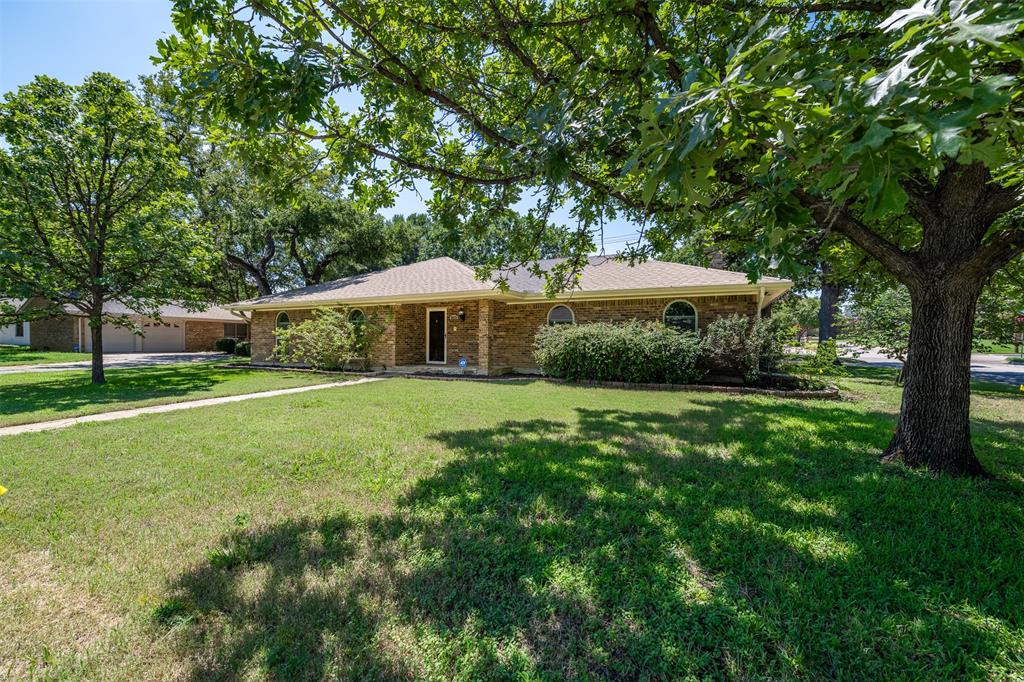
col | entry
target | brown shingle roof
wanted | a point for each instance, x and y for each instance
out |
(604, 273)
(212, 313)
(445, 277)
(435, 276)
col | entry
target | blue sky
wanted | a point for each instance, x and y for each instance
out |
(69, 39)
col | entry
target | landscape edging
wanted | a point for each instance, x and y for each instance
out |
(830, 393)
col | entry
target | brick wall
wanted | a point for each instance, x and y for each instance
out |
(264, 322)
(55, 333)
(485, 320)
(383, 353)
(514, 326)
(411, 332)
(495, 336)
(202, 335)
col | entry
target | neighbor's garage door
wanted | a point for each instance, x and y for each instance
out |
(163, 337)
(115, 339)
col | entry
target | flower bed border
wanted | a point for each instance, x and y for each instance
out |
(829, 393)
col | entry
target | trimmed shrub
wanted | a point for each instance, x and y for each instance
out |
(639, 352)
(243, 348)
(226, 345)
(329, 340)
(740, 346)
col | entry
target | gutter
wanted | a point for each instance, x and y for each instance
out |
(520, 298)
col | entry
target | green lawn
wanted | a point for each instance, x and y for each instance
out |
(34, 397)
(988, 346)
(23, 355)
(455, 530)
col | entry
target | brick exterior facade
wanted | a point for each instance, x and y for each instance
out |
(513, 326)
(264, 322)
(202, 336)
(461, 335)
(495, 337)
(55, 333)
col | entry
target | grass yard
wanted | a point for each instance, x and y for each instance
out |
(34, 397)
(998, 347)
(456, 530)
(23, 355)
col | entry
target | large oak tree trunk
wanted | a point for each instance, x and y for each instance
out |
(958, 252)
(934, 428)
(96, 330)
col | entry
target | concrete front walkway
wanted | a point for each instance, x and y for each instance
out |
(171, 407)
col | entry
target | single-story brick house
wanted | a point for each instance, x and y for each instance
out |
(438, 315)
(178, 330)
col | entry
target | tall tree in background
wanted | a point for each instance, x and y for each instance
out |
(1000, 305)
(880, 319)
(895, 128)
(423, 238)
(278, 213)
(202, 153)
(91, 204)
(237, 201)
(329, 237)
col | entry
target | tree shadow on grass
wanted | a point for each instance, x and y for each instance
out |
(72, 392)
(751, 538)
(269, 600)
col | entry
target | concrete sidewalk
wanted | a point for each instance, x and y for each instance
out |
(986, 367)
(170, 407)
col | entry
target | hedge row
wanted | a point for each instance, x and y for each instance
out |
(650, 352)
(640, 352)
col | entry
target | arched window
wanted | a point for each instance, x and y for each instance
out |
(681, 315)
(283, 321)
(356, 317)
(561, 314)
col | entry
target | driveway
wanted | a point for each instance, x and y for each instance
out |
(984, 367)
(117, 361)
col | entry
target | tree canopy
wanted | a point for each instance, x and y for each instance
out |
(92, 206)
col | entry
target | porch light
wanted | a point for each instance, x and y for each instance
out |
(462, 314)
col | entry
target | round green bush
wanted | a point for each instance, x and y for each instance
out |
(243, 348)
(638, 352)
(226, 345)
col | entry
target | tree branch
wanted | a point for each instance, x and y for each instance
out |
(839, 219)
(998, 250)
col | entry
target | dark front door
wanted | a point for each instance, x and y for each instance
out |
(435, 336)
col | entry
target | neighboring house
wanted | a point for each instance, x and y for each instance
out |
(178, 330)
(437, 313)
(17, 334)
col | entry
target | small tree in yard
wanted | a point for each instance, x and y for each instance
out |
(882, 320)
(91, 205)
(796, 314)
(330, 340)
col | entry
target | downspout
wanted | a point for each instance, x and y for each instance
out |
(760, 300)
